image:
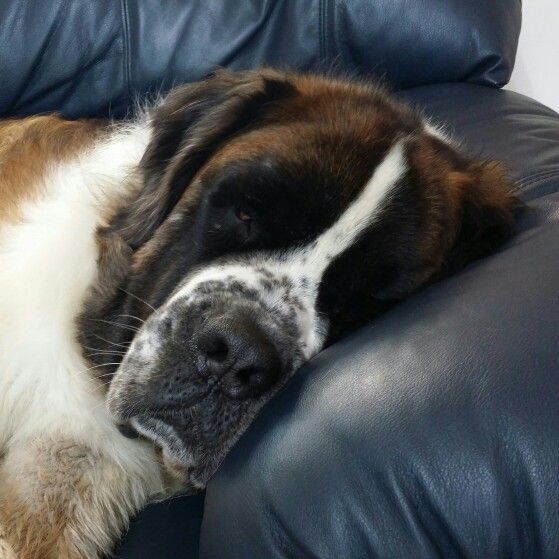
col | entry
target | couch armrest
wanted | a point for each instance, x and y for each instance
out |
(435, 430)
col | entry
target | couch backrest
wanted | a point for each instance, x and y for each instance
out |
(93, 57)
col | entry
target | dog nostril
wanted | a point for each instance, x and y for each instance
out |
(218, 351)
(251, 381)
(214, 348)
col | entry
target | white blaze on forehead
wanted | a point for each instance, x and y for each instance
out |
(305, 266)
(359, 215)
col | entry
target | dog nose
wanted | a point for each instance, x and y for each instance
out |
(238, 353)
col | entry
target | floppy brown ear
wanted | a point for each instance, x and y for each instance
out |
(471, 205)
(188, 126)
(485, 213)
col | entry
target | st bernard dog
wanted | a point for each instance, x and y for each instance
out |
(161, 279)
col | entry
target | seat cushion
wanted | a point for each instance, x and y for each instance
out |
(168, 530)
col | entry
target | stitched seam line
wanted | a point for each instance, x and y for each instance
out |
(126, 50)
(540, 181)
(528, 178)
(537, 177)
(321, 30)
(326, 19)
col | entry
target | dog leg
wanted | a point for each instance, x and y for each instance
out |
(62, 500)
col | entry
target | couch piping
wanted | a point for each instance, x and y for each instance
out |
(536, 177)
(324, 24)
(126, 50)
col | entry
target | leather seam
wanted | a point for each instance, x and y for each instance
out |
(537, 183)
(126, 50)
(543, 175)
(322, 47)
(528, 178)
(324, 16)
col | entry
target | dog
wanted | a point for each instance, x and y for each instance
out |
(162, 278)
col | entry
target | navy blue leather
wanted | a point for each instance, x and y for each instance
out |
(165, 530)
(91, 58)
(432, 433)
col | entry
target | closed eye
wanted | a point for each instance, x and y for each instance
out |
(246, 218)
(243, 215)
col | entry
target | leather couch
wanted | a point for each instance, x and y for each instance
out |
(432, 432)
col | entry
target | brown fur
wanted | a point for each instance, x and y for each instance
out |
(27, 147)
(346, 115)
(470, 204)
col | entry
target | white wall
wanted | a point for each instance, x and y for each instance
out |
(536, 72)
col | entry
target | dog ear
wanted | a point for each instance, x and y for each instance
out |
(187, 127)
(469, 210)
(485, 214)
(470, 207)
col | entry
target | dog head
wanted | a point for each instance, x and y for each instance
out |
(278, 212)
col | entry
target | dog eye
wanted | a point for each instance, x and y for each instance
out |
(244, 217)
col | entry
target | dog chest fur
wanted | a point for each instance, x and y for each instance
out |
(54, 426)
(48, 259)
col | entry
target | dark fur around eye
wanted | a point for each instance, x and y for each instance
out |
(232, 225)
(243, 215)
(245, 219)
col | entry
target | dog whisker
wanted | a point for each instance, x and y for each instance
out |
(104, 375)
(100, 349)
(97, 366)
(124, 345)
(127, 327)
(139, 298)
(105, 353)
(132, 316)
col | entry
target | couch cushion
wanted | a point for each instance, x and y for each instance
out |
(165, 530)
(94, 58)
(434, 431)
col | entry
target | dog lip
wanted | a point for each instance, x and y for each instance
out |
(171, 410)
(168, 411)
(124, 409)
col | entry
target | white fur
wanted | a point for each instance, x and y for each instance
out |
(437, 131)
(47, 263)
(311, 261)
(358, 216)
